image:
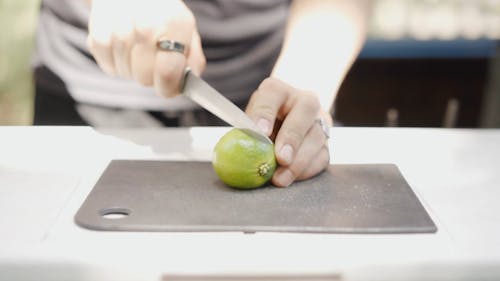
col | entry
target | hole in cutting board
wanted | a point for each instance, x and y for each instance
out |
(115, 213)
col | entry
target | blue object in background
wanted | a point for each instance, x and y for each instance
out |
(410, 48)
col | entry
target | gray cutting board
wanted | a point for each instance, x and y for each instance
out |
(187, 196)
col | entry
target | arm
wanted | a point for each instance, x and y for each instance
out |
(322, 40)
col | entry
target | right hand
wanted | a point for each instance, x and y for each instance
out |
(123, 36)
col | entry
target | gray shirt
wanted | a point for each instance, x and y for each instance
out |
(241, 40)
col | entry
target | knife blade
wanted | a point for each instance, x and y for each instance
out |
(207, 97)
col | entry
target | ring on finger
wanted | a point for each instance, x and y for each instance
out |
(171, 46)
(324, 126)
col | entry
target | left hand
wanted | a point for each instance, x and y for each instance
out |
(291, 115)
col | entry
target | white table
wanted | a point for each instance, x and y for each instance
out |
(47, 172)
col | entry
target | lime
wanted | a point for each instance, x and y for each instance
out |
(243, 161)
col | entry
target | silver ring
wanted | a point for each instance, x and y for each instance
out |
(171, 45)
(324, 127)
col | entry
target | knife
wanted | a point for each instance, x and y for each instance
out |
(207, 97)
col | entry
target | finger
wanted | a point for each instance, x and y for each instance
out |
(122, 47)
(266, 103)
(102, 55)
(170, 65)
(296, 125)
(309, 161)
(322, 160)
(123, 39)
(168, 74)
(196, 59)
(283, 176)
(306, 159)
(142, 60)
(99, 39)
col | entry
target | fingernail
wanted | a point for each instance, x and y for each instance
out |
(285, 178)
(264, 125)
(286, 154)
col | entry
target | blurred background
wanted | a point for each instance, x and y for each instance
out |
(17, 25)
(427, 63)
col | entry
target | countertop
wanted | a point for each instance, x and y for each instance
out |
(47, 172)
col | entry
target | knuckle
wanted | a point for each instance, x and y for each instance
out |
(264, 110)
(187, 18)
(168, 73)
(119, 42)
(310, 102)
(296, 168)
(100, 45)
(123, 34)
(143, 33)
(321, 162)
(268, 83)
(293, 136)
(318, 133)
(299, 165)
(144, 79)
(184, 21)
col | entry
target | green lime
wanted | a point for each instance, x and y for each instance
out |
(242, 161)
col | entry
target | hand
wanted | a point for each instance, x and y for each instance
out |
(123, 35)
(291, 115)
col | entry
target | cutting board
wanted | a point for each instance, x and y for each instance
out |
(134, 195)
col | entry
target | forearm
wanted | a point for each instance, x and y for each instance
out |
(322, 40)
